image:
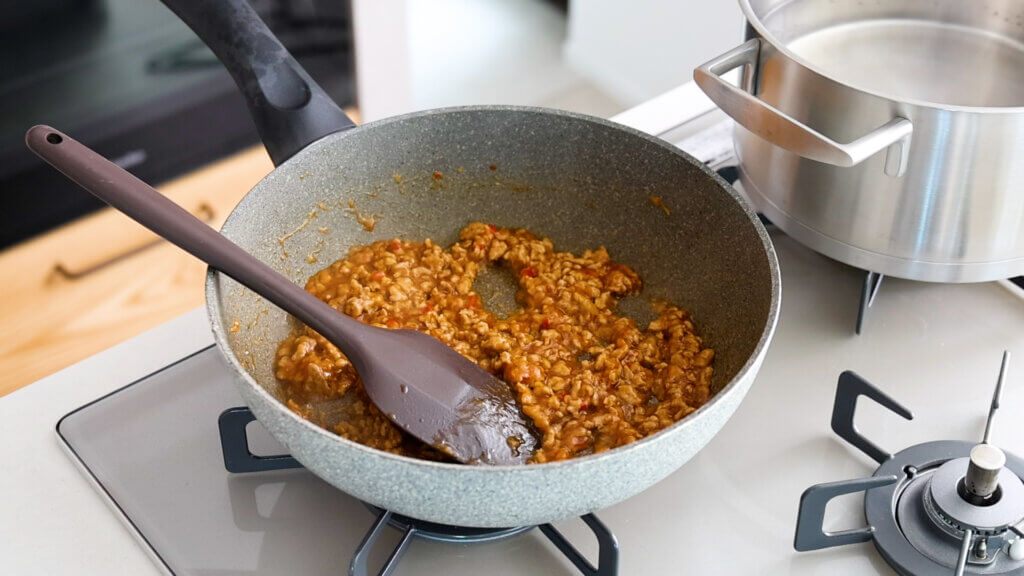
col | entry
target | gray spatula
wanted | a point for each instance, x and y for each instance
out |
(423, 386)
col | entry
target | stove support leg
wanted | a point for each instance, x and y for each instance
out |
(872, 282)
(608, 551)
(965, 552)
(809, 532)
(848, 390)
(360, 560)
(234, 442)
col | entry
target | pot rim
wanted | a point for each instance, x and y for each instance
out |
(748, 370)
(756, 22)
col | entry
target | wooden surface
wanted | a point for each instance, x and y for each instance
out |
(102, 279)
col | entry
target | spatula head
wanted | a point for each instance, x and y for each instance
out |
(443, 398)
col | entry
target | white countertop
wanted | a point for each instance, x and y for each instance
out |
(51, 520)
(933, 347)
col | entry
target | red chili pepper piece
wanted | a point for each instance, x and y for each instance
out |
(395, 246)
(545, 324)
(473, 302)
(377, 275)
(529, 272)
(492, 228)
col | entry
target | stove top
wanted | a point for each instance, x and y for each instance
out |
(162, 470)
(929, 345)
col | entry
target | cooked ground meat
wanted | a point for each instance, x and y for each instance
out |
(589, 379)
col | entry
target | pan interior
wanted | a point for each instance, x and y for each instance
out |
(581, 182)
(942, 52)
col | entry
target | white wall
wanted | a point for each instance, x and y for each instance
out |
(383, 71)
(636, 49)
(416, 54)
(485, 52)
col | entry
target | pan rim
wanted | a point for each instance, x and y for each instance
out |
(212, 306)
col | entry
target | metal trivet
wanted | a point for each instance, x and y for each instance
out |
(934, 508)
(239, 459)
(872, 283)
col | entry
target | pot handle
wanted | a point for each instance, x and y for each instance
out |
(787, 132)
(290, 110)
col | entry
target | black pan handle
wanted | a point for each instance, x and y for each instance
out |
(290, 110)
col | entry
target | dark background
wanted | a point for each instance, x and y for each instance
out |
(129, 79)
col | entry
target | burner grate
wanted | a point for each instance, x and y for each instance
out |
(939, 507)
(238, 458)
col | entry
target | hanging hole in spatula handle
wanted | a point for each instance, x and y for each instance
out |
(849, 389)
(290, 110)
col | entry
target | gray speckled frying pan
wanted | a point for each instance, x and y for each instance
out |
(581, 181)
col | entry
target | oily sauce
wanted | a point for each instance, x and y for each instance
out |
(588, 378)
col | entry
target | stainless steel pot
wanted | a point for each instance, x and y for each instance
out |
(887, 135)
(584, 182)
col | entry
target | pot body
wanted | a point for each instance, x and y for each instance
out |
(888, 136)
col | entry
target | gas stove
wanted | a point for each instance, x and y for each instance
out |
(201, 485)
(153, 446)
(945, 506)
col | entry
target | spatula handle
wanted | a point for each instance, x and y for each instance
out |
(142, 203)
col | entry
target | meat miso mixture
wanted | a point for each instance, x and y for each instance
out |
(588, 378)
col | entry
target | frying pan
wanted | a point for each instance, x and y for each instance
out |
(581, 181)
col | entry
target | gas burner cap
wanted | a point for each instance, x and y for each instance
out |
(918, 541)
(947, 497)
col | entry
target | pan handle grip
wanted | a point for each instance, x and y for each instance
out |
(787, 132)
(290, 110)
